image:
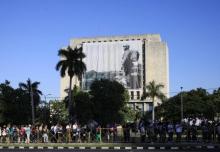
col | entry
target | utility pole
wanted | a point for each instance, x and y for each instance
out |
(181, 96)
(32, 103)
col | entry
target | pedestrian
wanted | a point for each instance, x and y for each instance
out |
(142, 131)
(22, 134)
(68, 133)
(179, 130)
(170, 130)
(4, 134)
(0, 134)
(28, 133)
(45, 134)
(194, 131)
(75, 126)
(53, 135)
(218, 131)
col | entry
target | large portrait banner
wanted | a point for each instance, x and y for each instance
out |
(120, 61)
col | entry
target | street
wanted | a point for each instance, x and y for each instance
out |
(88, 150)
(99, 150)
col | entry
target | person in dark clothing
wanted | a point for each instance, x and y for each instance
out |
(194, 131)
(170, 131)
(218, 131)
(126, 131)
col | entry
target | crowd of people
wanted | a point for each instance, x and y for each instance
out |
(190, 130)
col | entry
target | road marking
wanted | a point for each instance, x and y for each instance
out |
(11, 147)
(39, 147)
(174, 148)
(117, 148)
(210, 147)
(151, 147)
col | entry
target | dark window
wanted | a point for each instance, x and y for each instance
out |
(138, 94)
(132, 95)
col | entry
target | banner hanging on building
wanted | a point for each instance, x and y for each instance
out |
(120, 61)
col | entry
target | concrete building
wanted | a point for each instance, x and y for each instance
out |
(133, 60)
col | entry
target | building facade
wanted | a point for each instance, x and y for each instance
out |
(132, 60)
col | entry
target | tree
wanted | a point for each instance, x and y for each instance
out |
(14, 106)
(33, 94)
(43, 113)
(71, 62)
(109, 99)
(58, 113)
(153, 91)
(197, 103)
(84, 107)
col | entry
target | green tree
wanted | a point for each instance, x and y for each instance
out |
(43, 113)
(14, 106)
(7, 101)
(153, 91)
(109, 98)
(71, 62)
(33, 94)
(197, 102)
(83, 107)
(215, 97)
(58, 112)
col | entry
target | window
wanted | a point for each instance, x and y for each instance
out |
(138, 94)
(132, 95)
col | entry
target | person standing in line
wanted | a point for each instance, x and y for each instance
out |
(4, 133)
(28, 133)
(68, 131)
(45, 134)
(218, 131)
(0, 134)
(170, 130)
(194, 131)
(179, 130)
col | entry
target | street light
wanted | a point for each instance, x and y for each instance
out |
(181, 96)
(44, 105)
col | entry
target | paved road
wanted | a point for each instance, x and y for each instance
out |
(100, 150)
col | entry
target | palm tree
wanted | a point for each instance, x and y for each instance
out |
(34, 94)
(153, 90)
(71, 62)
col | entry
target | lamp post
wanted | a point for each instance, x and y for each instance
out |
(32, 104)
(44, 104)
(181, 96)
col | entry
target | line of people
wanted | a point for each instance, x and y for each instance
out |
(191, 131)
(188, 131)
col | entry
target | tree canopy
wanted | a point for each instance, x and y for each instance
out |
(109, 98)
(196, 103)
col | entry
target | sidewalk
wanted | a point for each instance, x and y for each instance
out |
(127, 146)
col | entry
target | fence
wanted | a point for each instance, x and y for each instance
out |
(106, 135)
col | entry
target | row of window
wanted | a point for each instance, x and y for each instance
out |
(137, 95)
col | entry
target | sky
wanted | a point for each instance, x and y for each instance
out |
(32, 32)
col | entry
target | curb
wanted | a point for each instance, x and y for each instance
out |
(195, 147)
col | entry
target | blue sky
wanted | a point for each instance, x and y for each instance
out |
(32, 31)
